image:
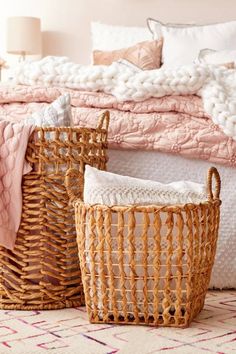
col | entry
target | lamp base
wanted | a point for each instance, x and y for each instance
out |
(22, 57)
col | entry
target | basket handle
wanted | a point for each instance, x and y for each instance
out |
(74, 182)
(216, 195)
(104, 120)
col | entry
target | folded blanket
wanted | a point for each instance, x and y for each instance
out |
(13, 144)
(111, 189)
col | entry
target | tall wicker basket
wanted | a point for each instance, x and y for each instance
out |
(42, 272)
(146, 264)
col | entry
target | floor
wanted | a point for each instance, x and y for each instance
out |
(69, 332)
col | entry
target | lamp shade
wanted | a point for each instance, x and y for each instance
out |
(24, 35)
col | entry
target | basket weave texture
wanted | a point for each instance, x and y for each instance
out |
(42, 272)
(147, 264)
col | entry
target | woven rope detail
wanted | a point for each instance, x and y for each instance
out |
(131, 193)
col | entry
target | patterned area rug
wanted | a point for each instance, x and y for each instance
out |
(69, 332)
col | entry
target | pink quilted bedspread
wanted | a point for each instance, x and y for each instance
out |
(173, 124)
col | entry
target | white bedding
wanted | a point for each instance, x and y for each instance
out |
(167, 168)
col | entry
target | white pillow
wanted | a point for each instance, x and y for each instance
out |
(182, 45)
(217, 57)
(111, 189)
(57, 114)
(155, 26)
(108, 37)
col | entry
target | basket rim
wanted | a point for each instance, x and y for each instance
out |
(77, 129)
(148, 207)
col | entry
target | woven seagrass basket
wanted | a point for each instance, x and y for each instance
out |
(146, 264)
(42, 272)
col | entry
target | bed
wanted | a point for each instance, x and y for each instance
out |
(166, 124)
(151, 158)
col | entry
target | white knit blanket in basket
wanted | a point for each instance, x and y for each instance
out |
(101, 187)
(107, 188)
(216, 85)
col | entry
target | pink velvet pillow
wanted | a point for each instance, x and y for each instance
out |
(146, 55)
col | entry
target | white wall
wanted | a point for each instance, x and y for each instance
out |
(66, 23)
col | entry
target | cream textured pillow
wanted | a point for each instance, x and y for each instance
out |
(111, 189)
(182, 44)
(145, 55)
(218, 57)
(57, 114)
(108, 37)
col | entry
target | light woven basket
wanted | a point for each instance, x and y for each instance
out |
(42, 272)
(146, 264)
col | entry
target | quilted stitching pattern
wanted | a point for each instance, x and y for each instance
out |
(173, 124)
